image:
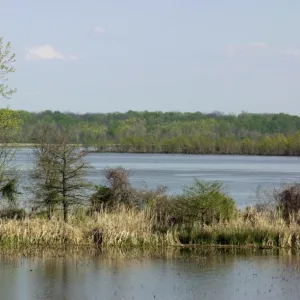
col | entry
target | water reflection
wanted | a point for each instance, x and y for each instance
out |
(176, 274)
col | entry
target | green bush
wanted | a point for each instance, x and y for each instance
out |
(202, 202)
(102, 197)
(206, 202)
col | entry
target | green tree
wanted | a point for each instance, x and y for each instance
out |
(9, 127)
(69, 167)
(7, 58)
(44, 174)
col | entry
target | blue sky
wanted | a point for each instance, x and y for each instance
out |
(103, 56)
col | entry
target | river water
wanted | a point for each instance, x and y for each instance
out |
(242, 175)
(225, 274)
(182, 276)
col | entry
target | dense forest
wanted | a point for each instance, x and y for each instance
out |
(175, 132)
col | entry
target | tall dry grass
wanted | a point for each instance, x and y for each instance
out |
(260, 229)
(127, 228)
(121, 228)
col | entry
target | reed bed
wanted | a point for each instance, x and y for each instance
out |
(261, 230)
(39, 232)
(130, 228)
(121, 228)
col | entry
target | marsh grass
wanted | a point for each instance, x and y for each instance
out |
(261, 230)
(130, 228)
(122, 227)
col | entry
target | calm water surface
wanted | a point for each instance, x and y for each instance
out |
(241, 174)
(186, 276)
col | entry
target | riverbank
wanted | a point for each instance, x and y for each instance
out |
(130, 149)
(171, 132)
(27, 145)
(126, 228)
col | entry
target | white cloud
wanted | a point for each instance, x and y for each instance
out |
(295, 52)
(234, 49)
(73, 57)
(98, 30)
(259, 45)
(47, 52)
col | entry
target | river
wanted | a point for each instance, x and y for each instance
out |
(242, 175)
(183, 276)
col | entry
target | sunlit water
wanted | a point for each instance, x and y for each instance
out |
(241, 174)
(186, 276)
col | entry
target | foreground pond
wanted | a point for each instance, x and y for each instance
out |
(179, 275)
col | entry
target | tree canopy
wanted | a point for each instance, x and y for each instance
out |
(174, 132)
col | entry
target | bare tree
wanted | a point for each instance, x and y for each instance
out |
(44, 174)
(118, 179)
(117, 191)
(63, 168)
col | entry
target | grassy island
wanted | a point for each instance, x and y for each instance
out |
(127, 228)
(118, 216)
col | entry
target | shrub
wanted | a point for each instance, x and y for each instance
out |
(143, 197)
(120, 192)
(118, 180)
(203, 202)
(117, 192)
(289, 201)
(120, 188)
(102, 197)
(12, 212)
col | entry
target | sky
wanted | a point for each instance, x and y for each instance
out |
(166, 55)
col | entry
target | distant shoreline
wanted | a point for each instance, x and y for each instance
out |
(24, 145)
(113, 149)
(117, 150)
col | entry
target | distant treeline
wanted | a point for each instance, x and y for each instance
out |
(175, 132)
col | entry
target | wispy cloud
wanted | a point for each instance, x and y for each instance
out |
(47, 52)
(98, 30)
(231, 50)
(294, 52)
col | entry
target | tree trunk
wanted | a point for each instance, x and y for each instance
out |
(49, 212)
(65, 210)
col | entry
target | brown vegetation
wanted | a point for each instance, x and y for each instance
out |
(128, 227)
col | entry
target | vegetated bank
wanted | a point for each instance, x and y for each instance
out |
(64, 209)
(173, 132)
(118, 216)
